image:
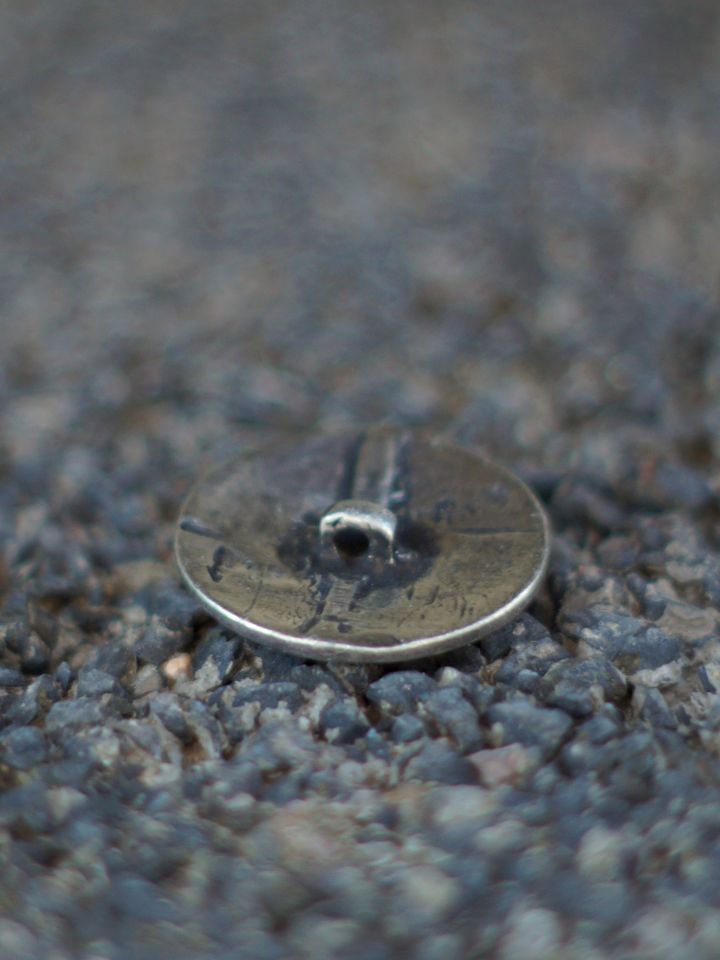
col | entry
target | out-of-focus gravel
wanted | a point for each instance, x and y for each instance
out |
(224, 221)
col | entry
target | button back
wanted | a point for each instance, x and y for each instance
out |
(377, 545)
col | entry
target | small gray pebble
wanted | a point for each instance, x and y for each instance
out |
(166, 707)
(438, 762)
(35, 701)
(528, 681)
(567, 685)
(159, 642)
(343, 722)
(23, 748)
(113, 658)
(95, 683)
(401, 691)
(519, 721)
(600, 729)
(649, 705)
(269, 696)
(74, 714)
(451, 715)
(630, 643)
(10, 678)
(65, 676)
(221, 650)
(707, 684)
(34, 654)
(406, 728)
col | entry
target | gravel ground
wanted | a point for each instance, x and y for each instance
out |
(225, 221)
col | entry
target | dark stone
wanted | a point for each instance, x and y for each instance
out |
(270, 696)
(64, 675)
(527, 681)
(23, 748)
(406, 728)
(438, 762)
(311, 676)
(619, 554)
(353, 678)
(221, 650)
(707, 684)
(608, 904)
(532, 652)
(518, 721)
(21, 710)
(24, 809)
(649, 705)
(627, 764)
(496, 645)
(467, 659)
(74, 715)
(676, 485)
(520, 632)
(14, 632)
(400, 692)
(30, 648)
(245, 777)
(600, 728)
(10, 678)
(449, 714)
(653, 603)
(166, 707)
(579, 757)
(173, 606)
(343, 722)
(204, 729)
(481, 695)
(159, 642)
(113, 658)
(95, 683)
(567, 685)
(140, 901)
(278, 666)
(630, 643)
(377, 745)
(34, 702)
(579, 502)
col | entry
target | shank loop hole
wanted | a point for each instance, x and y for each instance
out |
(351, 542)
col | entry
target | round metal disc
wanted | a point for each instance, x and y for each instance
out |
(376, 545)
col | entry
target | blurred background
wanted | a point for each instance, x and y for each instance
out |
(498, 220)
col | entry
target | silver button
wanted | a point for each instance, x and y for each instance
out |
(377, 545)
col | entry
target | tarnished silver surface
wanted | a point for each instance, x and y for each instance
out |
(374, 545)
